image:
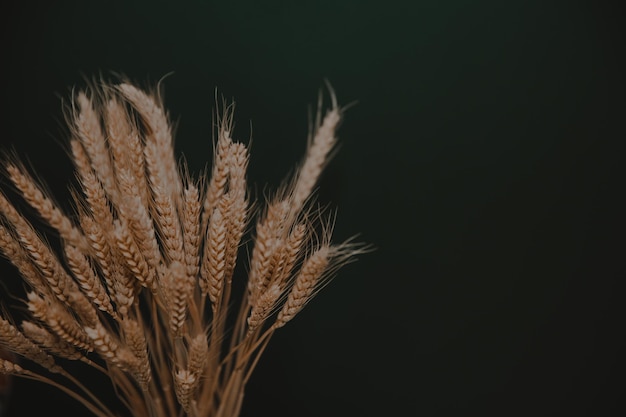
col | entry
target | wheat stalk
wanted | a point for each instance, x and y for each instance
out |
(141, 289)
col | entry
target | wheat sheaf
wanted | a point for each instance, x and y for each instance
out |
(140, 282)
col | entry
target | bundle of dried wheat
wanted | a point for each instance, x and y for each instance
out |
(143, 286)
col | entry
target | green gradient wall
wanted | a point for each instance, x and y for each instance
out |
(482, 159)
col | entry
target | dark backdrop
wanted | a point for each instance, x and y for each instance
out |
(483, 160)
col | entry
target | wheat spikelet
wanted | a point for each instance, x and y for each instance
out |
(124, 290)
(198, 354)
(135, 259)
(12, 339)
(214, 262)
(112, 351)
(11, 215)
(321, 143)
(170, 228)
(96, 199)
(311, 273)
(219, 177)
(126, 148)
(135, 339)
(13, 251)
(266, 243)
(45, 207)
(42, 256)
(89, 132)
(178, 288)
(59, 320)
(89, 282)
(100, 249)
(50, 342)
(262, 309)
(10, 368)
(80, 159)
(159, 139)
(291, 252)
(58, 280)
(139, 223)
(184, 382)
(141, 281)
(191, 229)
(118, 129)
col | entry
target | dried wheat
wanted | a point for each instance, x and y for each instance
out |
(145, 286)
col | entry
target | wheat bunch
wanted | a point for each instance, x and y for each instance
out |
(140, 282)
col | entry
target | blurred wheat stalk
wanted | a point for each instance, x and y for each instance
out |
(141, 287)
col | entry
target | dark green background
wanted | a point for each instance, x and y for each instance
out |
(483, 160)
